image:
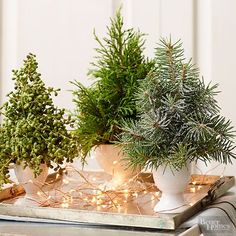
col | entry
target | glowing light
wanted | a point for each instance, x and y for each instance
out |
(191, 204)
(115, 162)
(97, 195)
(65, 205)
(94, 199)
(65, 181)
(119, 208)
(30, 181)
(199, 187)
(99, 202)
(72, 191)
(194, 182)
(193, 190)
(64, 200)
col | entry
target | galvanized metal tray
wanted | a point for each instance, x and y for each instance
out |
(134, 211)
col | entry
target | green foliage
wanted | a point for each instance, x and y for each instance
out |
(119, 65)
(33, 131)
(179, 116)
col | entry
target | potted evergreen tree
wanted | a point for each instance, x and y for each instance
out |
(33, 134)
(180, 122)
(100, 108)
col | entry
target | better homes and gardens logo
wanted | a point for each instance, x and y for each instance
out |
(217, 226)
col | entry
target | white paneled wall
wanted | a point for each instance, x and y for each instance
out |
(9, 47)
(223, 60)
(60, 33)
(1, 20)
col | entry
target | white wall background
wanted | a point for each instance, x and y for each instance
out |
(60, 33)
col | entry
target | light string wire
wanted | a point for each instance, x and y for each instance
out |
(91, 195)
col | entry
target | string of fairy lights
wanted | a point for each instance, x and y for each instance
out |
(90, 194)
(86, 190)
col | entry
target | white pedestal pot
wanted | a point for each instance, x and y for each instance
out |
(172, 184)
(31, 184)
(109, 158)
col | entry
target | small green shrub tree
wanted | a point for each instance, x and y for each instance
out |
(180, 119)
(120, 65)
(33, 130)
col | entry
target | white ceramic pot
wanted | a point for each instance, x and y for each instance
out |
(172, 184)
(31, 184)
(109, 158)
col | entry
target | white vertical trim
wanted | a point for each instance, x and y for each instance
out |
(195, 31)
(1, 49)
(1, 46)
(203, 38)
(177, 20)
(116, 4)
(128, 13)
(9, 42)
(202, 54)
(127, 9)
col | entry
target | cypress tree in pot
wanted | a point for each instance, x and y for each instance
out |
(100, 108)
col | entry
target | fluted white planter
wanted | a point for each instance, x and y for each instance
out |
(172, 184)
(109, 157)
(31, 184)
